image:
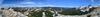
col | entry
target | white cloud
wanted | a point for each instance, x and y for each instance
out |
(27, 3)
(14, 5)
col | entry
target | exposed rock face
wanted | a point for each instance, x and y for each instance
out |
(94, 13)
(44, 13)
(0, 13)
(11, 13)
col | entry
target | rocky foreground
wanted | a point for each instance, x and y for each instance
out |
(43, 13)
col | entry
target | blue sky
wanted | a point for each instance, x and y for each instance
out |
(52, 3)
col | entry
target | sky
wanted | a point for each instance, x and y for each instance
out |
(46, 3)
